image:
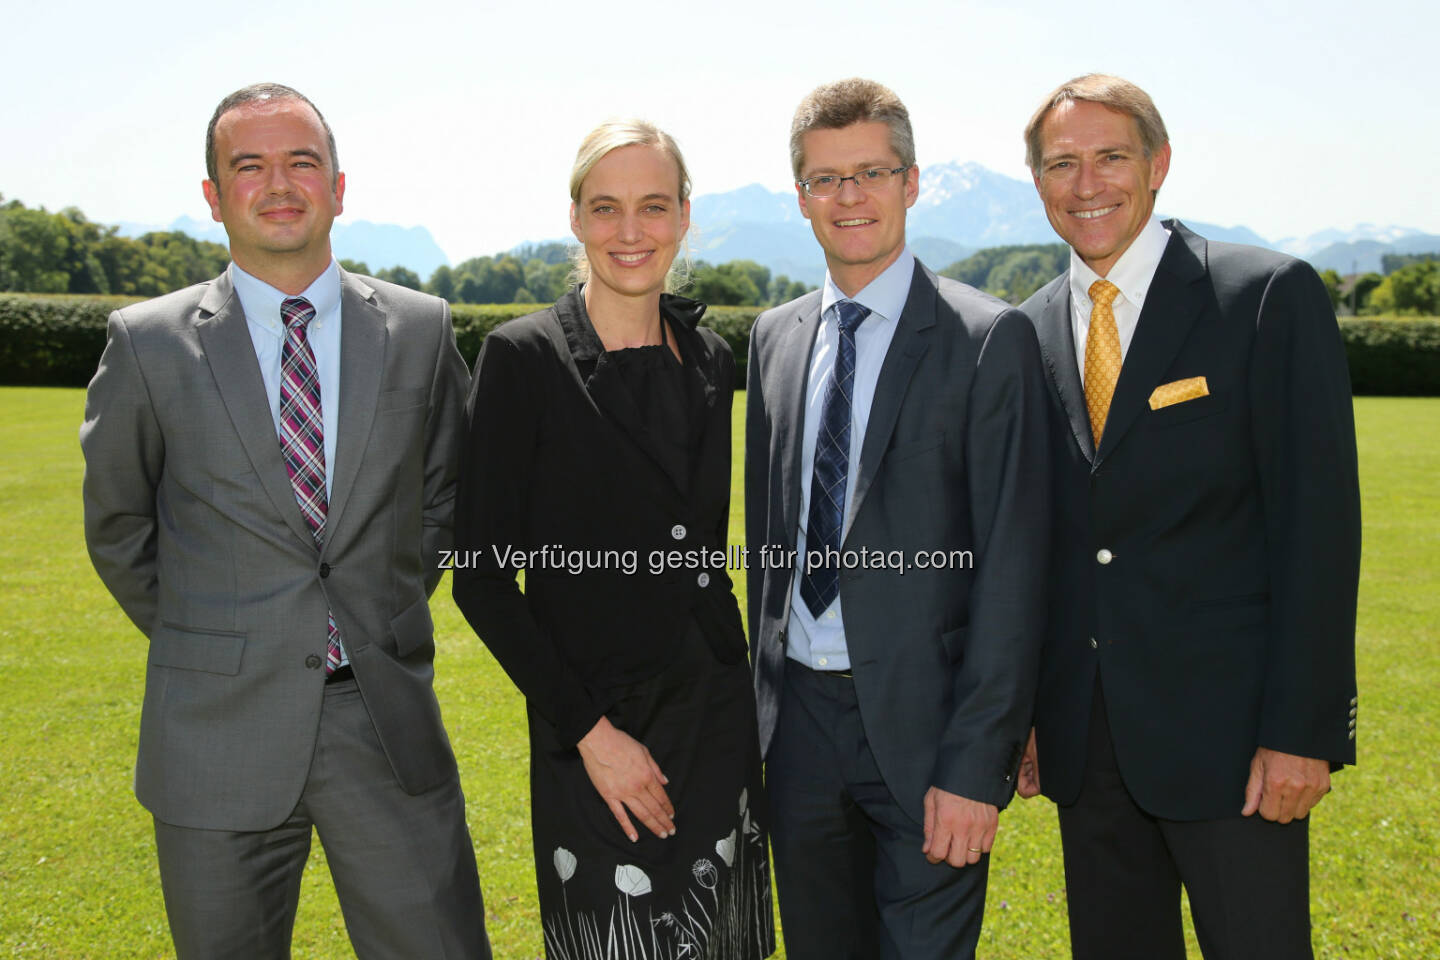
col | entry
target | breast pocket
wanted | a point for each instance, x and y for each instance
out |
(914, 448)
(395, 401)
(1187, 410)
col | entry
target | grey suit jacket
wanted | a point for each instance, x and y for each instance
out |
(192, 524)
(953, 459)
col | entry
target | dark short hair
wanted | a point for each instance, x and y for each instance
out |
(833, 106)
(1108, 91)
(255, 93)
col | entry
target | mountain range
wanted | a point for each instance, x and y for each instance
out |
(962, 207)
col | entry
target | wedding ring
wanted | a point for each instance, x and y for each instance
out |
(975, 850)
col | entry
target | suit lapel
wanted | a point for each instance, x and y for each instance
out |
(792, 373)
(363, 337)
(1175, 299)
(911, 340)
(1057, 346)
(231, 355)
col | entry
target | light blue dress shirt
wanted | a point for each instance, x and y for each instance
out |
(261, 303)
(267, 332)
(819, 642)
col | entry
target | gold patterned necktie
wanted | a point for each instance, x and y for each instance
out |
(1102, 356)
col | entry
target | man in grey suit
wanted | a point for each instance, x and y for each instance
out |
(897, 520)
(269, 476)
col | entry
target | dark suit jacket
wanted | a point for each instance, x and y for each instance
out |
(1225, 620)
(953, 458)
(192, 525)
(558, 455)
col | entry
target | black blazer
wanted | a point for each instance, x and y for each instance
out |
(557, 456)
(1221, 617)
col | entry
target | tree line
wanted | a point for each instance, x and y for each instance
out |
(1011, 273)
(1409, 286)
(64, 252)
(542, 272)
(43, 252)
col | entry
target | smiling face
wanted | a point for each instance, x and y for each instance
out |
(861, 233)
(277, 193)
(630, 219)
(1097, 184)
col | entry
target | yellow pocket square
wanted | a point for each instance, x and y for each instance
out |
(1178, 391)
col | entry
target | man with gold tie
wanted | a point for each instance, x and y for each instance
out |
(1198, 677)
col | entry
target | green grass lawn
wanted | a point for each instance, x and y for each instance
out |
(77, 861)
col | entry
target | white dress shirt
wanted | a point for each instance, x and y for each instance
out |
(819, 642)
(1132, 274)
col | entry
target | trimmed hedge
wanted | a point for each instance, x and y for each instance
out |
(54, 340)
(57, 341)
(1393, 356)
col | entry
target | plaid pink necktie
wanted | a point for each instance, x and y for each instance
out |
(302, 435)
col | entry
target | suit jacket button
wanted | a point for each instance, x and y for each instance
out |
(1093, 644)
(1353, 711)
(313, 662)
(677, 532)
(324, 570)
(703, 579)
(1104, 556)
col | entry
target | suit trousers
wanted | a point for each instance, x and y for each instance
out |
(852, 882)
(1248, 879)
(403, 866)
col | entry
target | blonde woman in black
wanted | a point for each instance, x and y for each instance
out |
(598, 461)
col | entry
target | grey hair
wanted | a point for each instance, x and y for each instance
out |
(1113, 92)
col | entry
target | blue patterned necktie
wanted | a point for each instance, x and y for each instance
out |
(302, 436)
(819, 586)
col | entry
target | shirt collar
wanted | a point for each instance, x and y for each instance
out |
(884, 296)
(1132, 273)
(262, 301)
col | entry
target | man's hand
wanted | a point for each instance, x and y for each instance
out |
(957, 830)
(1284, 787)
(1028, 783)
(625, 775)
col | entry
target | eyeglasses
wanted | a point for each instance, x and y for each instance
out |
(829, 185)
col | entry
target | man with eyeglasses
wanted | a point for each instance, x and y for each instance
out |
(897, 524)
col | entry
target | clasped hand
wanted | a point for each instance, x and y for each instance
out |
(626, 776)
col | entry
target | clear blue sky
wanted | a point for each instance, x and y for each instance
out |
(1287, 118)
